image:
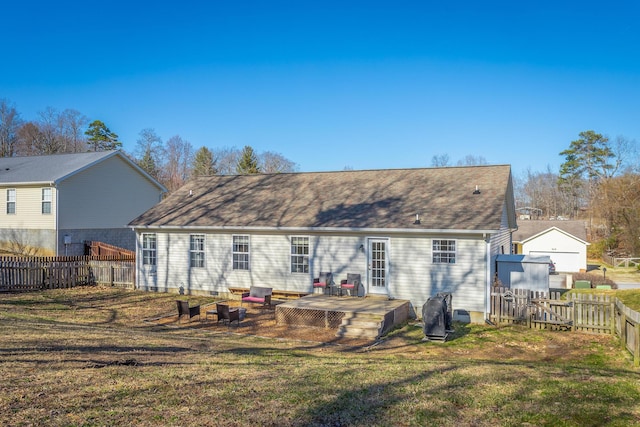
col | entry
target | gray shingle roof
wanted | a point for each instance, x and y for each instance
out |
(46, 169)
(530, 228)
(374, 199)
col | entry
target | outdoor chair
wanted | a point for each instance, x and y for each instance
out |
(351, 284)
(257, 295)
(324, 282)
(227, 315)
(185, 310)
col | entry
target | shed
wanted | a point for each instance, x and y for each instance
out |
(523, 272)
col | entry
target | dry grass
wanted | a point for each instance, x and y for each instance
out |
(99, 356)
(617, 274)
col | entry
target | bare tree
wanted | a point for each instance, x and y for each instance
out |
(10, 123)
(440, 160)
(617, 207)
(150, 152)
(626, 156)
(73, 123)
(19, 243)
(227, 160)
(539, 190)
(30, 140)
(178, 156)
(51, 126)
(271, 162)
(471, 160)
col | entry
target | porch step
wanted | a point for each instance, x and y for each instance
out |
(360, 325)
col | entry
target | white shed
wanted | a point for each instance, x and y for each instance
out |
(523, 272)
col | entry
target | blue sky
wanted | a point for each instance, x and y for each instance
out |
(363, 84)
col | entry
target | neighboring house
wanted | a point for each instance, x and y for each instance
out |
(51, 205)
(563, 241)
(409, 233)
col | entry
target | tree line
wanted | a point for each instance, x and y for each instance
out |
(171, 162)
(599, 180)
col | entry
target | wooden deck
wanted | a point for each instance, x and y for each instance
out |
(276, 294)
(374, 314)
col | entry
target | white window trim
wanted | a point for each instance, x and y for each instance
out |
(441, 251)
(149, 250)
(44, 200)
(14, 201)
(193, 251)
(291, 254)
(234, 252)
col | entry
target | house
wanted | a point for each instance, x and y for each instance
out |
(409, 233)
(51, 205)
(563, 241)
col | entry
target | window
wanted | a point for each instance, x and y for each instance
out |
(149, 246)
(444, 251)
(196, 250)
(241, 252)
(299, 254)
(11, 201)
(46, 200)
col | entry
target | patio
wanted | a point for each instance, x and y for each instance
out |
(314, 317)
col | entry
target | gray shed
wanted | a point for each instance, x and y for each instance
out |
(523, 272)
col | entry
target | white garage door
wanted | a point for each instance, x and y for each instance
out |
(566, 262)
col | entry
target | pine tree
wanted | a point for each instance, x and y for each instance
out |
(587, 157)
(101, 138)
(248, 163)
(148, 164)
(203, 163)
(587, 160)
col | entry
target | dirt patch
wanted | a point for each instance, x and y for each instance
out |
(260, 322)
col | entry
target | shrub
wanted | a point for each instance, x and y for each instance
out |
(597, 248)
(595, 279)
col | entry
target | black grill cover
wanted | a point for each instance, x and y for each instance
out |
(436, 318)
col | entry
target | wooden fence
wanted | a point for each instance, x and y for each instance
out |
(621, 261)
(94, 248)
(578, 312)
(628, 329)
(37, 273)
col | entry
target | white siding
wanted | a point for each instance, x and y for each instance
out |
(501, 242)
(107, 195)
(412, 274)
(415, 277)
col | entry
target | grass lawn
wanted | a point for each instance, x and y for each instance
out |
(91, 356)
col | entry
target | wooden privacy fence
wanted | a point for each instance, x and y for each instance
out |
(578, 312)
(37, 273)
(102, 249)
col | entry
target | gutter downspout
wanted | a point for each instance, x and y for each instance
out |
(487, 289)
(53, 185)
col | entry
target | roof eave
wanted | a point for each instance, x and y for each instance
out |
(315, 229)
(26, 184)
(566, 233)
